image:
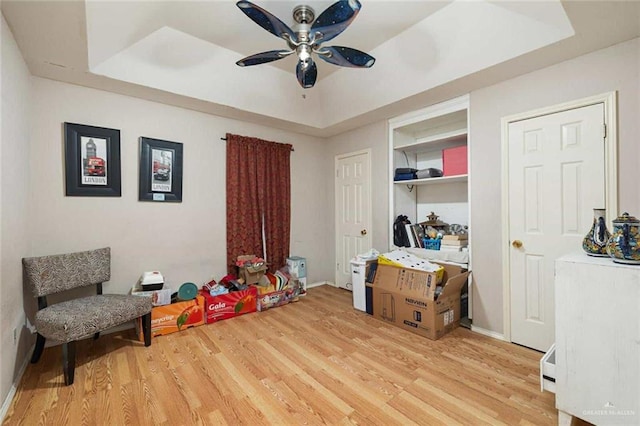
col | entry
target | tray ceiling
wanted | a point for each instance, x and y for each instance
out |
(184, 52)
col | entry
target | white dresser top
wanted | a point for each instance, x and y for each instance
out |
(583, 258)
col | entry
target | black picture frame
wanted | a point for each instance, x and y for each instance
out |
(92, 161)
(160, 171)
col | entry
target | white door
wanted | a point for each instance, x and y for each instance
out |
(353, 211)
(556, 179)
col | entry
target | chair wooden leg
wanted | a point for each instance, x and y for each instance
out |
(146, 328)
(69, 361)
(37, 351)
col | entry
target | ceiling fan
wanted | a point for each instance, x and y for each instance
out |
(308, 37)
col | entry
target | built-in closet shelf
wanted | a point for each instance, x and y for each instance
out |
(433, 181)
(436, 143)
(418, 140)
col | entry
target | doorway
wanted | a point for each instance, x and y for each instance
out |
(559, 165)
(353, 211)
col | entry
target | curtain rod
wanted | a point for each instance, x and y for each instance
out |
(224, 139)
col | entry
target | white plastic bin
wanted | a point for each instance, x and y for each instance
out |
(358, 276)
(297, 266)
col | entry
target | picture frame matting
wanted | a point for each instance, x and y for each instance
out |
(92, 161)
(160, 178)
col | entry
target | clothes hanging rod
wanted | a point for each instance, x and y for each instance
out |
(224, 139)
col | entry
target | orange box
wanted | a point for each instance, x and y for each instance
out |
(454, 161)
(175, 317)
(229, 305)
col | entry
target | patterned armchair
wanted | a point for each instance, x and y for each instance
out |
(76, 319)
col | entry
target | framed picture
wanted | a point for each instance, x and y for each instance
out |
(92, 161)
(160, 170)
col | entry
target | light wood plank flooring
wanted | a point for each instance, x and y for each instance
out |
(317, 361)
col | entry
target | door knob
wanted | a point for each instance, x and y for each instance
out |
(363, 232)
(517, 244)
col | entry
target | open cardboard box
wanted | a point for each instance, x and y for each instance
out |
(407, 298)
(250, 274)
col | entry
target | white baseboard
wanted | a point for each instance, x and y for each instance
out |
(489, 333)
(318, 284)
(14, 387)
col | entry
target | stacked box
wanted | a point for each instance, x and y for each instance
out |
(229, 305)
(250, 274)
(175, 317)
(297, 266)
(278, 298)
(158, 297)
(413, 299)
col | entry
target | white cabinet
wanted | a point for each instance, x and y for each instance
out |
(597, 340)
(417, 140)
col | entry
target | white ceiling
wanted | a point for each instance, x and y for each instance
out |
(184, 52)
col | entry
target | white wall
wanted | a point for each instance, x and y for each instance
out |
(14, 190)
(373, 136)
(185, 241)
(613, 69)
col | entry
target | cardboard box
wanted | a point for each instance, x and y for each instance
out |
(175, 317)
(279, 298)
(229, 305)
(250, 274)
(454, 161)
(158, 297)
(420, 282)
(410, 299)
(404, 259)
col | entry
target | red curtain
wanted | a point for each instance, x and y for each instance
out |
(258, 196)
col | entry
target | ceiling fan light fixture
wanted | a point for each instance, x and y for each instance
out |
(309, 33)
(304, 54)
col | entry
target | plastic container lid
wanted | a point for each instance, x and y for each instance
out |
(187, 291)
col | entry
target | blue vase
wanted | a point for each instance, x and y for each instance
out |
(595, 242)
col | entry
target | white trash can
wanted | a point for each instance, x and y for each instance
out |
(358, 276)
(359, 270)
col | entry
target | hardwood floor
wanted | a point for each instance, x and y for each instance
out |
(317, 361)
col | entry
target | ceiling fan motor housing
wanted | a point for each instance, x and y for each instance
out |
(303, 14)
